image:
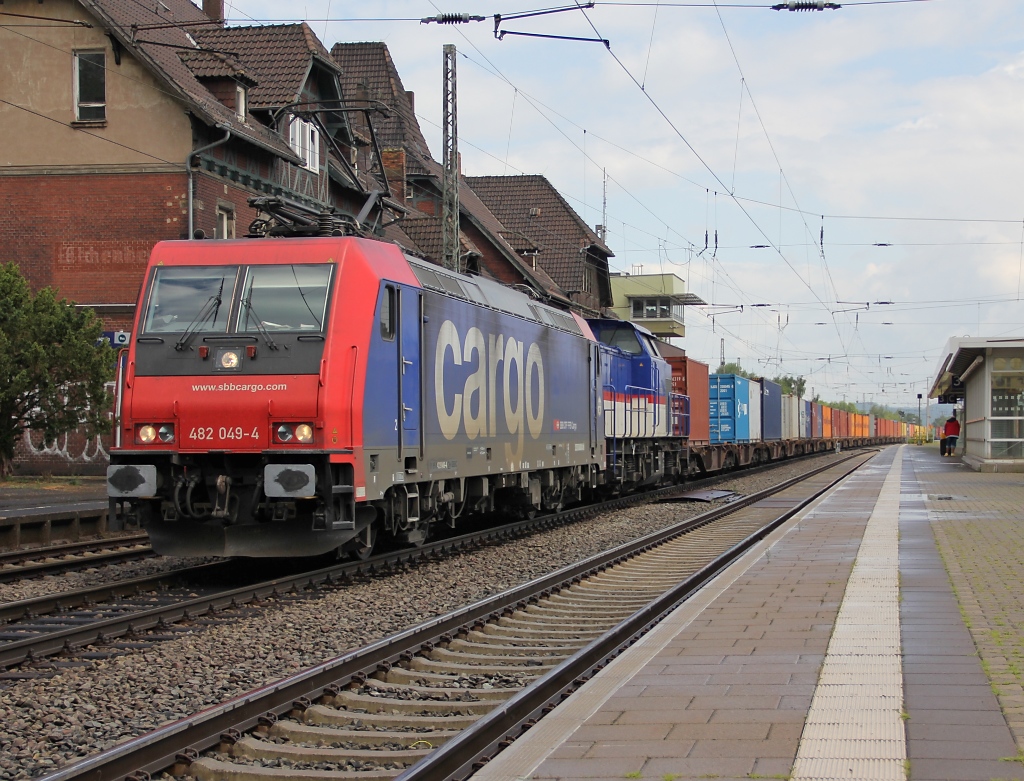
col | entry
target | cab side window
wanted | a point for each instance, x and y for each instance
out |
(387, 314)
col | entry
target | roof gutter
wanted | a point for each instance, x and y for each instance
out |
(188, 172)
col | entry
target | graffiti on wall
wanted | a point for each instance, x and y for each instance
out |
(71, 453)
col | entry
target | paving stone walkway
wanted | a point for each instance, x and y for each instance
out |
(978, 523)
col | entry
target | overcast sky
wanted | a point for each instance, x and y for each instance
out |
(884, 123)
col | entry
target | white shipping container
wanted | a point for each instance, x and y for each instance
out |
(790, 416)
(755, 411)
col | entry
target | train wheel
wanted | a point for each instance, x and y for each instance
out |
(361, 548)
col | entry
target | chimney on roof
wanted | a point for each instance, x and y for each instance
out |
(215, 10)
(412, 100)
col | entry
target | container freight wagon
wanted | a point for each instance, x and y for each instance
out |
(771, 411)
(729, 405)
(690, 378)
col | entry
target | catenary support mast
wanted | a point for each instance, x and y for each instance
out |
(450, 162)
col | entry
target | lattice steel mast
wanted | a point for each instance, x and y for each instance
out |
(450, 164)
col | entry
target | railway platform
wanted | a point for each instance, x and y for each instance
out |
(879, 634)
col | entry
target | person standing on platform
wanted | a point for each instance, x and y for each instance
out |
(951, 431)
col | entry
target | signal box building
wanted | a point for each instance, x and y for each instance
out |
(655, 301)
(987, 377)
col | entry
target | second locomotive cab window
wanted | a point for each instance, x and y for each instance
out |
(284, 298)
(186, 296)
(90, 87)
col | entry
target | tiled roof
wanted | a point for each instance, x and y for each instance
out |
(278, 55)
(369, 73)
(206, 64)
(156, 33)
(532, 208)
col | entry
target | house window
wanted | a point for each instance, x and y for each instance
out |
(304, 139)
(241, 102)
(225, 223)
(90, 87)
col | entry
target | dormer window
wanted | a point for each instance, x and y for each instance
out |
(241, 101)
(304, 139)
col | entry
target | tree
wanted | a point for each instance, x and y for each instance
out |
(52, 373)
(845, 406)
(734, 368)
(883, 412)
(794, 386)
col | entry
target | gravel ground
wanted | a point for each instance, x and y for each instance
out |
(46, 723)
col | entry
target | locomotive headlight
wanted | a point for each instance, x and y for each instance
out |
(166, 432)
(147, 434)
(229, 359)
(304, 433)
(285, 433)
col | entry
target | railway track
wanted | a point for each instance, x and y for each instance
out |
(131, 614)
(437, 699)
(66, 557)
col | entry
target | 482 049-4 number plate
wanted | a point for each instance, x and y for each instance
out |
(196, 436)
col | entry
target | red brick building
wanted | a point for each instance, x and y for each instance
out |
(127, 123)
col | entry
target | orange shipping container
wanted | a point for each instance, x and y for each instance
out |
(690, 378)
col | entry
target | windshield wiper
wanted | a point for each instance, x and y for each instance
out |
(249, 313)
(211, 307)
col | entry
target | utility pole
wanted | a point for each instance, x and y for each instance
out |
(721, 360)
(450, 165)
(602, 229)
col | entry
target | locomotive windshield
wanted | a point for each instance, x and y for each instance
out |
(187, 297)
(622, 336)
(284, 298)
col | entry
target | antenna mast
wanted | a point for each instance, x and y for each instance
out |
(450, 165)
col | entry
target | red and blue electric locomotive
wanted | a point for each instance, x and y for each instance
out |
(292, 397)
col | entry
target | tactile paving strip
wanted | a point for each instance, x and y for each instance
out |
(854, 728)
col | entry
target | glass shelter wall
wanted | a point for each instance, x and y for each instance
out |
(1006, 416)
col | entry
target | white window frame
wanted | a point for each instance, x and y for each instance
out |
(79, 105)
(241, 101)
(225, 222)
(304, 139)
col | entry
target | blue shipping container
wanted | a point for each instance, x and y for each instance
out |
(805, 419)
(771, 410)
(730, 408)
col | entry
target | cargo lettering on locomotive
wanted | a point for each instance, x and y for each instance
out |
(500, 365)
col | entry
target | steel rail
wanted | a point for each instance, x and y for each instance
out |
(179, 743)
(80, 550)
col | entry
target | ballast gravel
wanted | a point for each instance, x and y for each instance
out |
(46, 723)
